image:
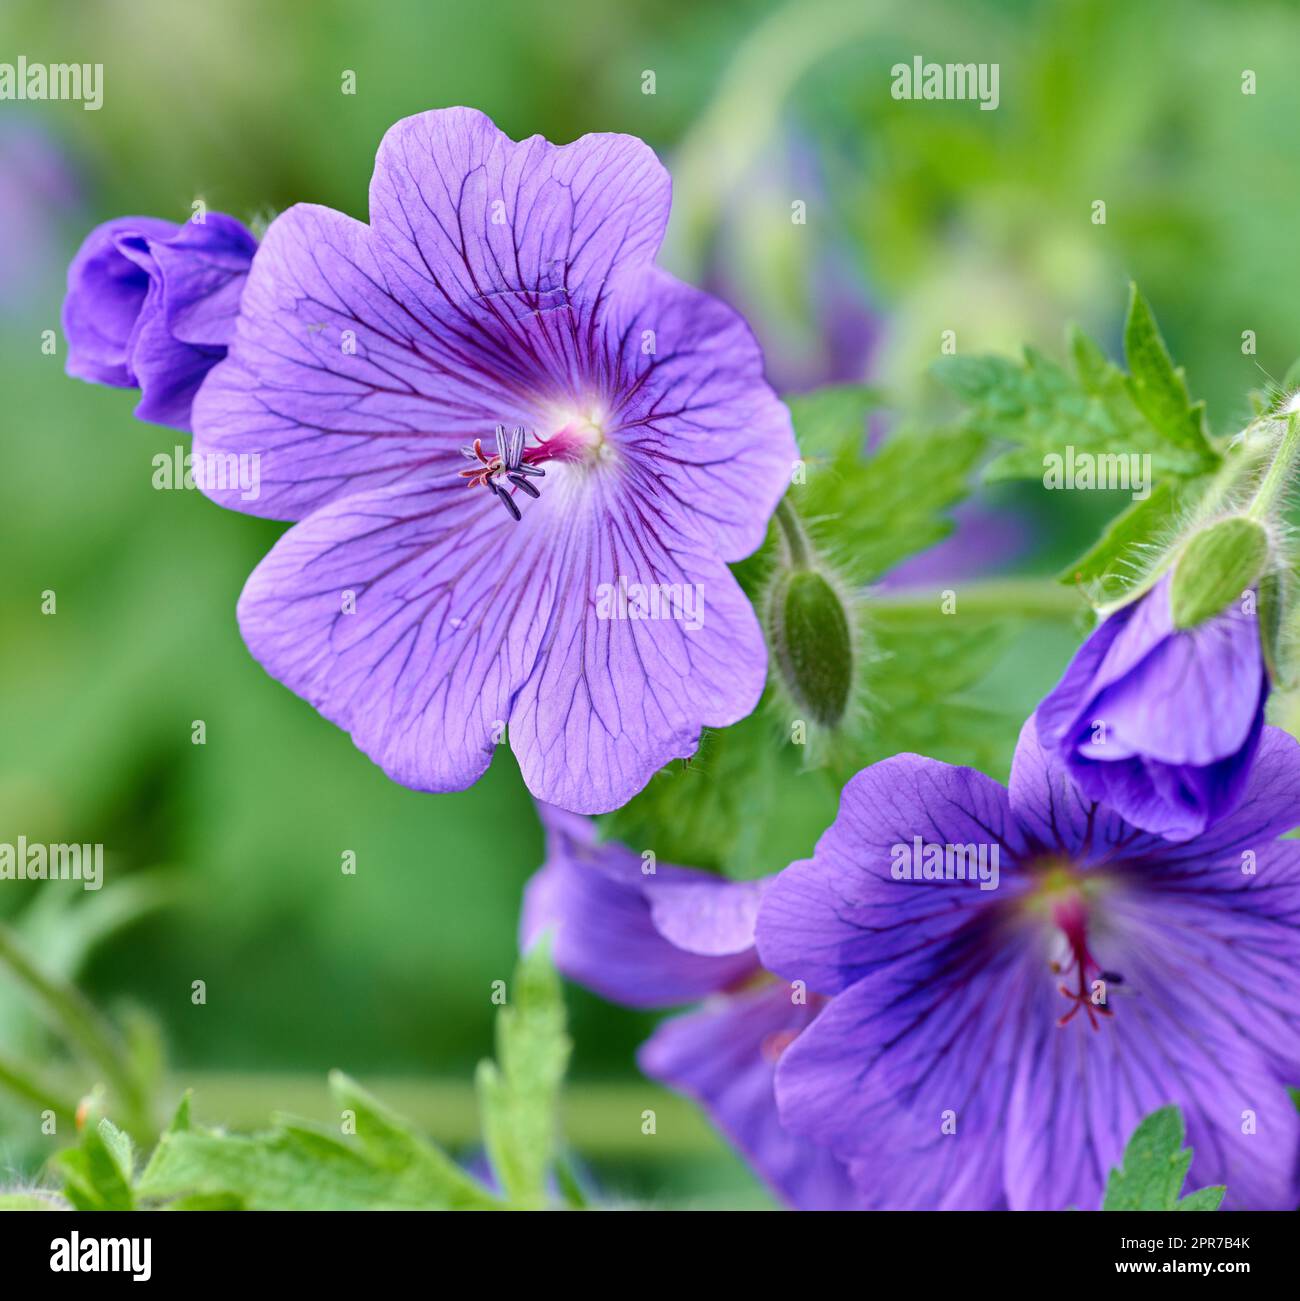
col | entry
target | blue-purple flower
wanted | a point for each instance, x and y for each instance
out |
(665, 937)
(152, 305)
(502, 304)
(993, 1048)
(1161, 723)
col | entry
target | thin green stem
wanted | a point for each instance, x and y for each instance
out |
(994, 598)
(1279, 474)
(23, 1084)
(72, 1014)
(796, 540)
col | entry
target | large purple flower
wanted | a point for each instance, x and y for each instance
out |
(152, 305)
(511, 285)
(990, 1048)
(672, 936)
(1159, 723)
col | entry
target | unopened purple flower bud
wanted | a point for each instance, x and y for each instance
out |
(152, 305)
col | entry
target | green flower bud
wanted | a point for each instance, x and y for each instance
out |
(812, 643)
(1216, 566)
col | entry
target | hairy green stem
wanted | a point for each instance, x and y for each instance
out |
(1280, 473)
(796, 540)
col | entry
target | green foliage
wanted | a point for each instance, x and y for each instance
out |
(1128, 538)
(518, 1093)
(1159, 388)
(1218, 564)
(875, 511)
(745, 805)
(377, 1161)
(97, 1173)
(1155, 1165)
(758, 794)
(812, 643)
(1090, 405)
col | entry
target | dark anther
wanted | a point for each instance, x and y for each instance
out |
(506, 499)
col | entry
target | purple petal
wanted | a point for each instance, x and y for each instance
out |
(1203, 1018)
(1154, 722)
(908, 1074)
(829, 920)
(697, 421)
(1268, 806)
(106, 292)
(204, 267)
(331, 383)
(152, 304)
(724, 1056)
(612, 699)
(602, 908)
(501, 230)
(446, 626)
(1055, 814)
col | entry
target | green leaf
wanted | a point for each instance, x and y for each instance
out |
(391, 1144)
(31, 1202)
(745, 805)
(294, 1167)
(300, 1167)
(519, 1092)
(1155, 1165)
(1159, 388)
(1121, 551)
(1041, 407)
(872, 512)
(97, 1172)
(1217, 566)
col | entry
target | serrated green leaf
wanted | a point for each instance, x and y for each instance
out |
(1154, 1167)
(519, 1092)
(1122, 550)
(96, 1173)
(1041, 408)
(393, 1145)
(301, 1167)
(294, 1167)
(872, 512)
(1203, 1199)
(1159, 388)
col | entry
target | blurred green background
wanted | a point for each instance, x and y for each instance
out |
(223, 860)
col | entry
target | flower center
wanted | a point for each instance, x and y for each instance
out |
(579, 439)
(1068, 900)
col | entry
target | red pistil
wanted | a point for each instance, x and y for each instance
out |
(1071, 915)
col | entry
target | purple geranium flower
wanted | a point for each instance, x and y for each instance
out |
(1161, 724)
(511, 287)
(152, 305)
(989, 1048)
(674, 936)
